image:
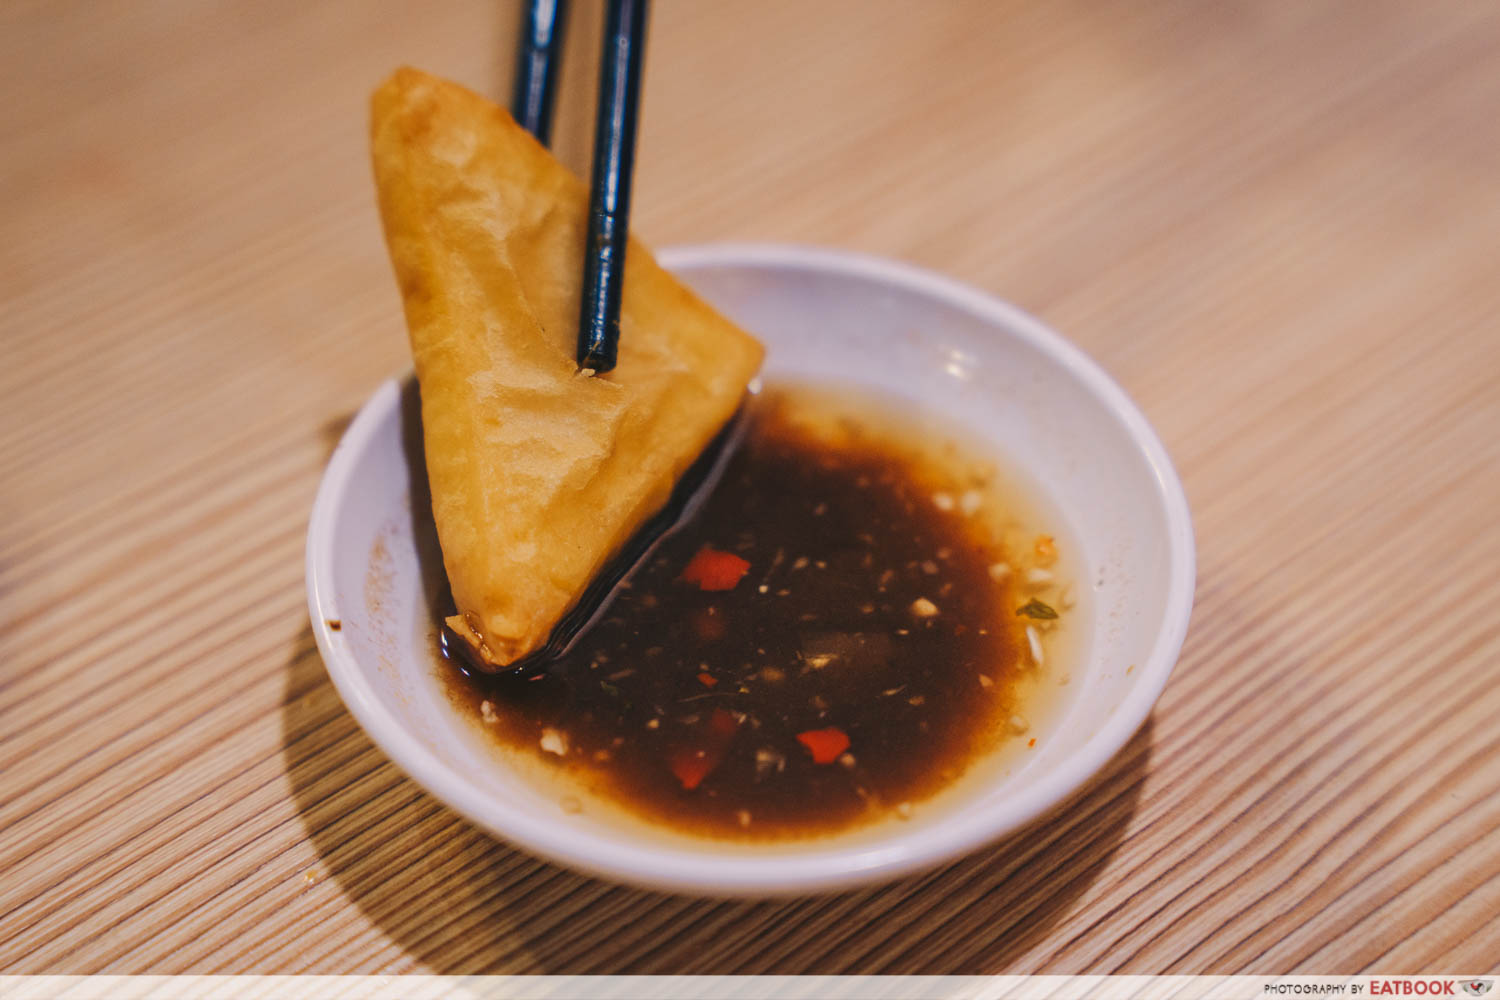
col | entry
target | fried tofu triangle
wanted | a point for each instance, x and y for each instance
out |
(539, 473)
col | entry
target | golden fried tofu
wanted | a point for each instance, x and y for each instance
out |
(539, 473)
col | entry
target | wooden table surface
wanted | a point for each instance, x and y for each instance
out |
(1276, 223)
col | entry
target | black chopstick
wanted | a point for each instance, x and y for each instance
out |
(538, 64)
(609, 198)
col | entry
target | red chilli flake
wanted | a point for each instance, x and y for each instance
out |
(825, 745)
(691, 764)
(707, 679)
(691, 767)
(712, 569)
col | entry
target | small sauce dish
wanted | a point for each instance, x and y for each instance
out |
(1052, 418)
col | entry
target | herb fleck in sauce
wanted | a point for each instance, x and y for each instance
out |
(868, 653)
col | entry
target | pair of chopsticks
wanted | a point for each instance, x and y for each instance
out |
(614, 153)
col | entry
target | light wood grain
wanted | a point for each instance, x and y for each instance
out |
(1276, 222)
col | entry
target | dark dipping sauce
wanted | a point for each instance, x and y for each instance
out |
(868, 611)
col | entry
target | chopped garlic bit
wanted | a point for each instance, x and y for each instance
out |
(943, 501)
(985, 682)
(554, 741)
(846, 759)
(1039, 578)
(818, 661)
(999, 571)
(1046, 550)
(1018, 724)
(487, 712)
(800, 562)
(917, 699)
(743, 817)
(653, 723)
(969, 502)
(767, 760)
(904, 810)
(1034, 640)
(1067, 598)
(923, 608)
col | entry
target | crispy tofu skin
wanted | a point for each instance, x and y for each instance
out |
(539, 473)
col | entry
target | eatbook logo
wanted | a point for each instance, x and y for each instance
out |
(1477, 987)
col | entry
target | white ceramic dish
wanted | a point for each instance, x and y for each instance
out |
(1044, 406)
